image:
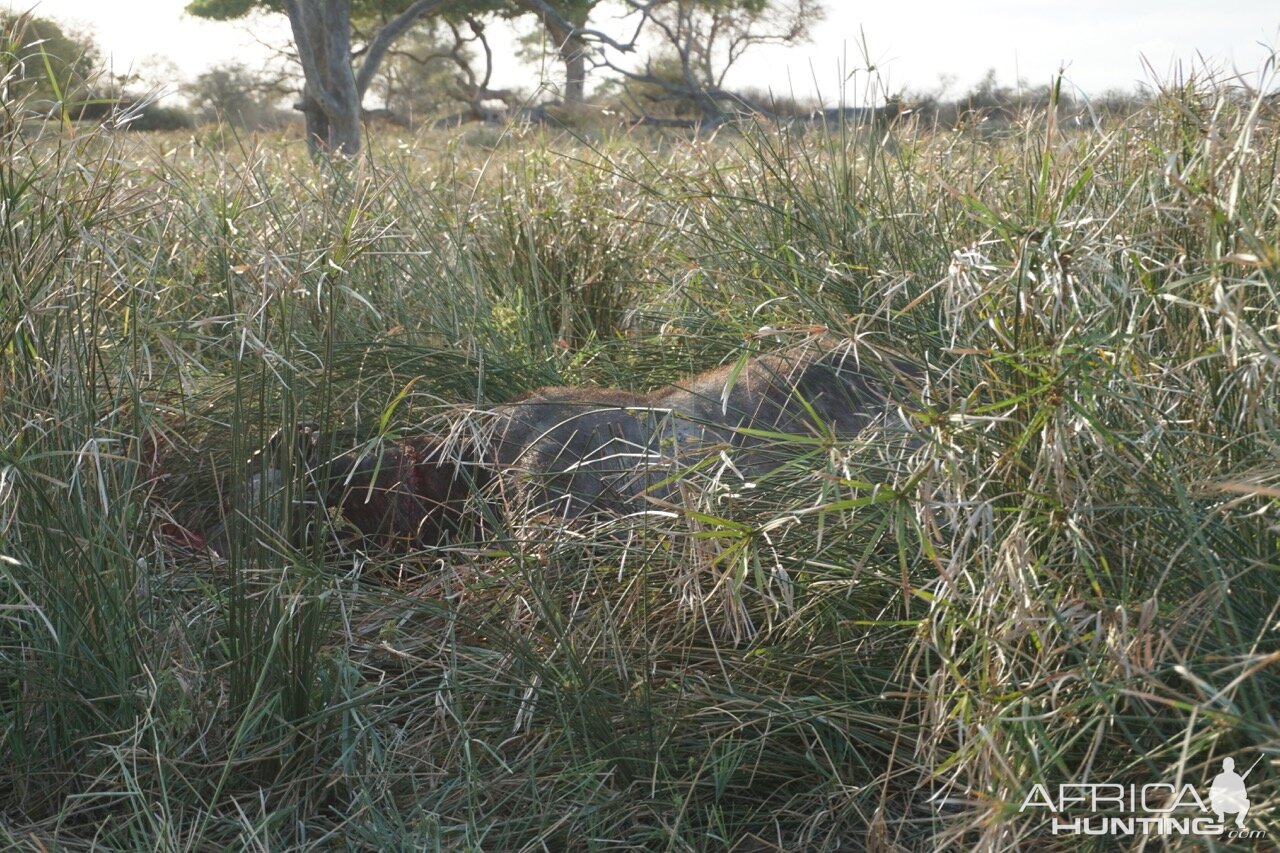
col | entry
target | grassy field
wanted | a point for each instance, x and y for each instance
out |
(1075, 578)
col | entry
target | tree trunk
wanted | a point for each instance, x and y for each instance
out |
(330, 100)
(575, 72)
(569, 44)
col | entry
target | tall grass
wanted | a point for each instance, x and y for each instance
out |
(1071, 577)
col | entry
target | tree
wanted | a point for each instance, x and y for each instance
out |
(701, 41)
(439, 63)
(708, 37)
(416, 77)
(564, 28)
(332, 88)
(565, 22)
(234, 94)
(42, 63)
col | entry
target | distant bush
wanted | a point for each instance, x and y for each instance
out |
(44, 62)
(997, 104)
(233, 94)
(54, 72)
(161, 117)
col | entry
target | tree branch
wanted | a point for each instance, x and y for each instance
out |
(302, 38)
(566, 30)
(390, 31)
(477, 30)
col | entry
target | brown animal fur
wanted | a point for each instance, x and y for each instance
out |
(575, 451)
(572, 452)
(410, 493)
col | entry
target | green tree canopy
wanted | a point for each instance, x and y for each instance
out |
(43, 60)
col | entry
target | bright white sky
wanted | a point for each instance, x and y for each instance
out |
(914, 44)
